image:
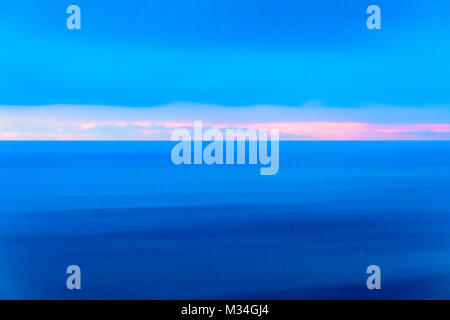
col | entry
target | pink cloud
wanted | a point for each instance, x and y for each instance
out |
(115, 123)
(43, 136)
(411, 128)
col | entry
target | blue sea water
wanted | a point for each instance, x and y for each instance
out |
(141, 227)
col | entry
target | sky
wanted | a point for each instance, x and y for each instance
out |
(138, 69)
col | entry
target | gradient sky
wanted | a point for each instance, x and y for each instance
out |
(310, 67)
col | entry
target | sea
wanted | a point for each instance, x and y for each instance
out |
(140, 227)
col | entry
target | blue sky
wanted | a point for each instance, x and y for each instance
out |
(231, 53)
(234, 53)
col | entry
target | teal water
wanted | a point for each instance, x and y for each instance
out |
(142, 227)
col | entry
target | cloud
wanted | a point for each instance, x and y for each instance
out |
(310, 122)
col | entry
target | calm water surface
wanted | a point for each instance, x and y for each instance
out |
(141, 227)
